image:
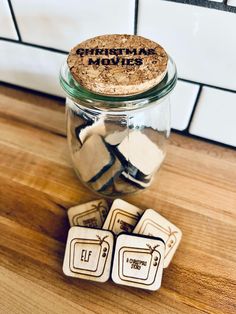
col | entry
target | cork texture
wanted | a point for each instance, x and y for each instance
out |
(118, 65)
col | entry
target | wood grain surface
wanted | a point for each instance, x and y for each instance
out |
(195, 189)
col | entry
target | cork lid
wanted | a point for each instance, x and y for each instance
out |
(118, 64)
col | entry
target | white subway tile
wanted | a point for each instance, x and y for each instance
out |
(201, 40)
(7, 27)
(215, 116)
(182, 102)
(232, 3)
(63, 24)
(30, 67)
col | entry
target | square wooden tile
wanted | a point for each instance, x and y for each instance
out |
(138, 261)
(143, 159)
(90, 214)
(84, 131)
(122, 217)
(88, 253)
(93, 159)
(155, 225)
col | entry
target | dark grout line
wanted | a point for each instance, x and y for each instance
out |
(62, 100)
(14, 20)
(10, 39)
(66, 52)
(136, 16)
(34, 45)
(221, 6)
(207, 85)
(185, 132)
(194, 107)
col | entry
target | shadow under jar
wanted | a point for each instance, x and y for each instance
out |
(117, 143)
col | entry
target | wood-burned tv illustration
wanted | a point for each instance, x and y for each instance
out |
(89, 256)
(93, 217)
(151, 228)
(139, 265)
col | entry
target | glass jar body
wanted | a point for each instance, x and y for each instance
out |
(115, 153)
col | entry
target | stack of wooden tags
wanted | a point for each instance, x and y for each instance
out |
(113, 163)
(126, 243)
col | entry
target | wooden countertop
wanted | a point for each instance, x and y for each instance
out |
(196, 189)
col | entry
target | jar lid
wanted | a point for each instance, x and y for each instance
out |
(116, 104)
(118, 65)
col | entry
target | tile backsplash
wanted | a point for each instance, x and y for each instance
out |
(221, 107)
(35, 37)
(199, 39)
(7, 28)
(30, 67)
(62, 24)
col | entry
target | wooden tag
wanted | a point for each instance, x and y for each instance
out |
(91, 214)
(138, 262)
(93, 159)
(155, 225)
(88, 254)
(138, 183)
(83, 132)
(122, 217)
(143, 156)
(106, 179)
(118, 64)
(123, 187)
(115, 138)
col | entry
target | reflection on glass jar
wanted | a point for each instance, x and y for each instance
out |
(117, 144)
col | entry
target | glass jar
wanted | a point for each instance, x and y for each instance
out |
(117, 144)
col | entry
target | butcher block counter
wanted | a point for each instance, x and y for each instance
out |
(195, 189)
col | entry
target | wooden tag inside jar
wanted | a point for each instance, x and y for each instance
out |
(118, 65)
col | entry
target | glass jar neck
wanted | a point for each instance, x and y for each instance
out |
(100, 103)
